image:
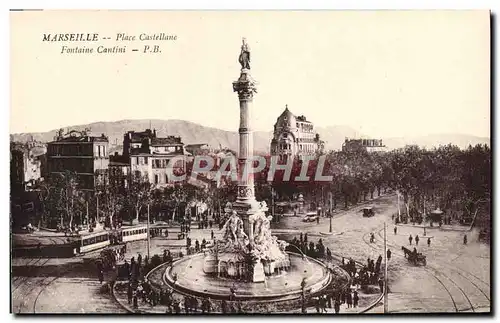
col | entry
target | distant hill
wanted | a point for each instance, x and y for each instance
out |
(192, 133)
(436, 140)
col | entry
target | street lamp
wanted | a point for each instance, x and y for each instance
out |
(331, 211)
(330, 216)
(148, 236)
(97, 205)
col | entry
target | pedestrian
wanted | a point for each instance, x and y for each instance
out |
(324, 303)
(417, 239)
(129, 293)
(204, 306)
(465, 239)
(425, 232)
(372, 237)
(318, 306)
(134, 299)
(336, 306)
(349, 299)
(381, 284)
(209, 305)
(317, 219)
(212, 235)
(410, 239)
(177, 307)
(355, 299)
(186, 304)
(389, 254)
(428, 242)
(223, 306)
(395, 230)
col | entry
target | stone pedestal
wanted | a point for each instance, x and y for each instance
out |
(258, 273)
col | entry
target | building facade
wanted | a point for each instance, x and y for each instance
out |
(27, 164)
(369, 145)
(294, 137)
(81, 153)
(152, 158)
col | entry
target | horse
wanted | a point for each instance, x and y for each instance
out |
(407, 252)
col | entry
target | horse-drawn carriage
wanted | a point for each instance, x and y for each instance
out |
(414, 257)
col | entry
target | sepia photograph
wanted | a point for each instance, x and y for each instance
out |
(250, 162)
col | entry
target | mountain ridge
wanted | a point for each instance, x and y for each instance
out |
(192, 133)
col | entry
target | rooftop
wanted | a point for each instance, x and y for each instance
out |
(170, 140)
(78, 136)
(138, 136)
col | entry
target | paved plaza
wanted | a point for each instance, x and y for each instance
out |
(456, 277)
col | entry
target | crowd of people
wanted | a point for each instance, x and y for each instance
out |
(361, 275)
(309, 248)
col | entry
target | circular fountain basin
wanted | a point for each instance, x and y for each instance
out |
(191, 280)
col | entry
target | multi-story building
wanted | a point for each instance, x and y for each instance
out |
(27, 163)
(134, 140)
(369, 145)
(80, 153)
(119, 168)
(152, 158)
(294, 137)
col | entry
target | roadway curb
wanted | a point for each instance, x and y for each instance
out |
(374, 304)
(125, 307)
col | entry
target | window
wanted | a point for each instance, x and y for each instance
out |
(146, 160)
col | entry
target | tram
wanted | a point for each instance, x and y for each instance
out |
(92, 242)
(133, 233)
(100, 240)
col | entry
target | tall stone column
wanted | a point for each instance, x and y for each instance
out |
(245, 204)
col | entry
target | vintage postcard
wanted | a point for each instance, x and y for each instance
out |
(263, 162)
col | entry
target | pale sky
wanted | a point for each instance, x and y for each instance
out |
(385, 73)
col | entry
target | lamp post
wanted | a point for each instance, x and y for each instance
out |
(331, 211)
(148, 236)
(87, 209)
(386, 301)
(330, 216)
(272, 201)
(97, 206)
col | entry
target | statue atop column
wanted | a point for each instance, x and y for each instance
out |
(244, 58)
